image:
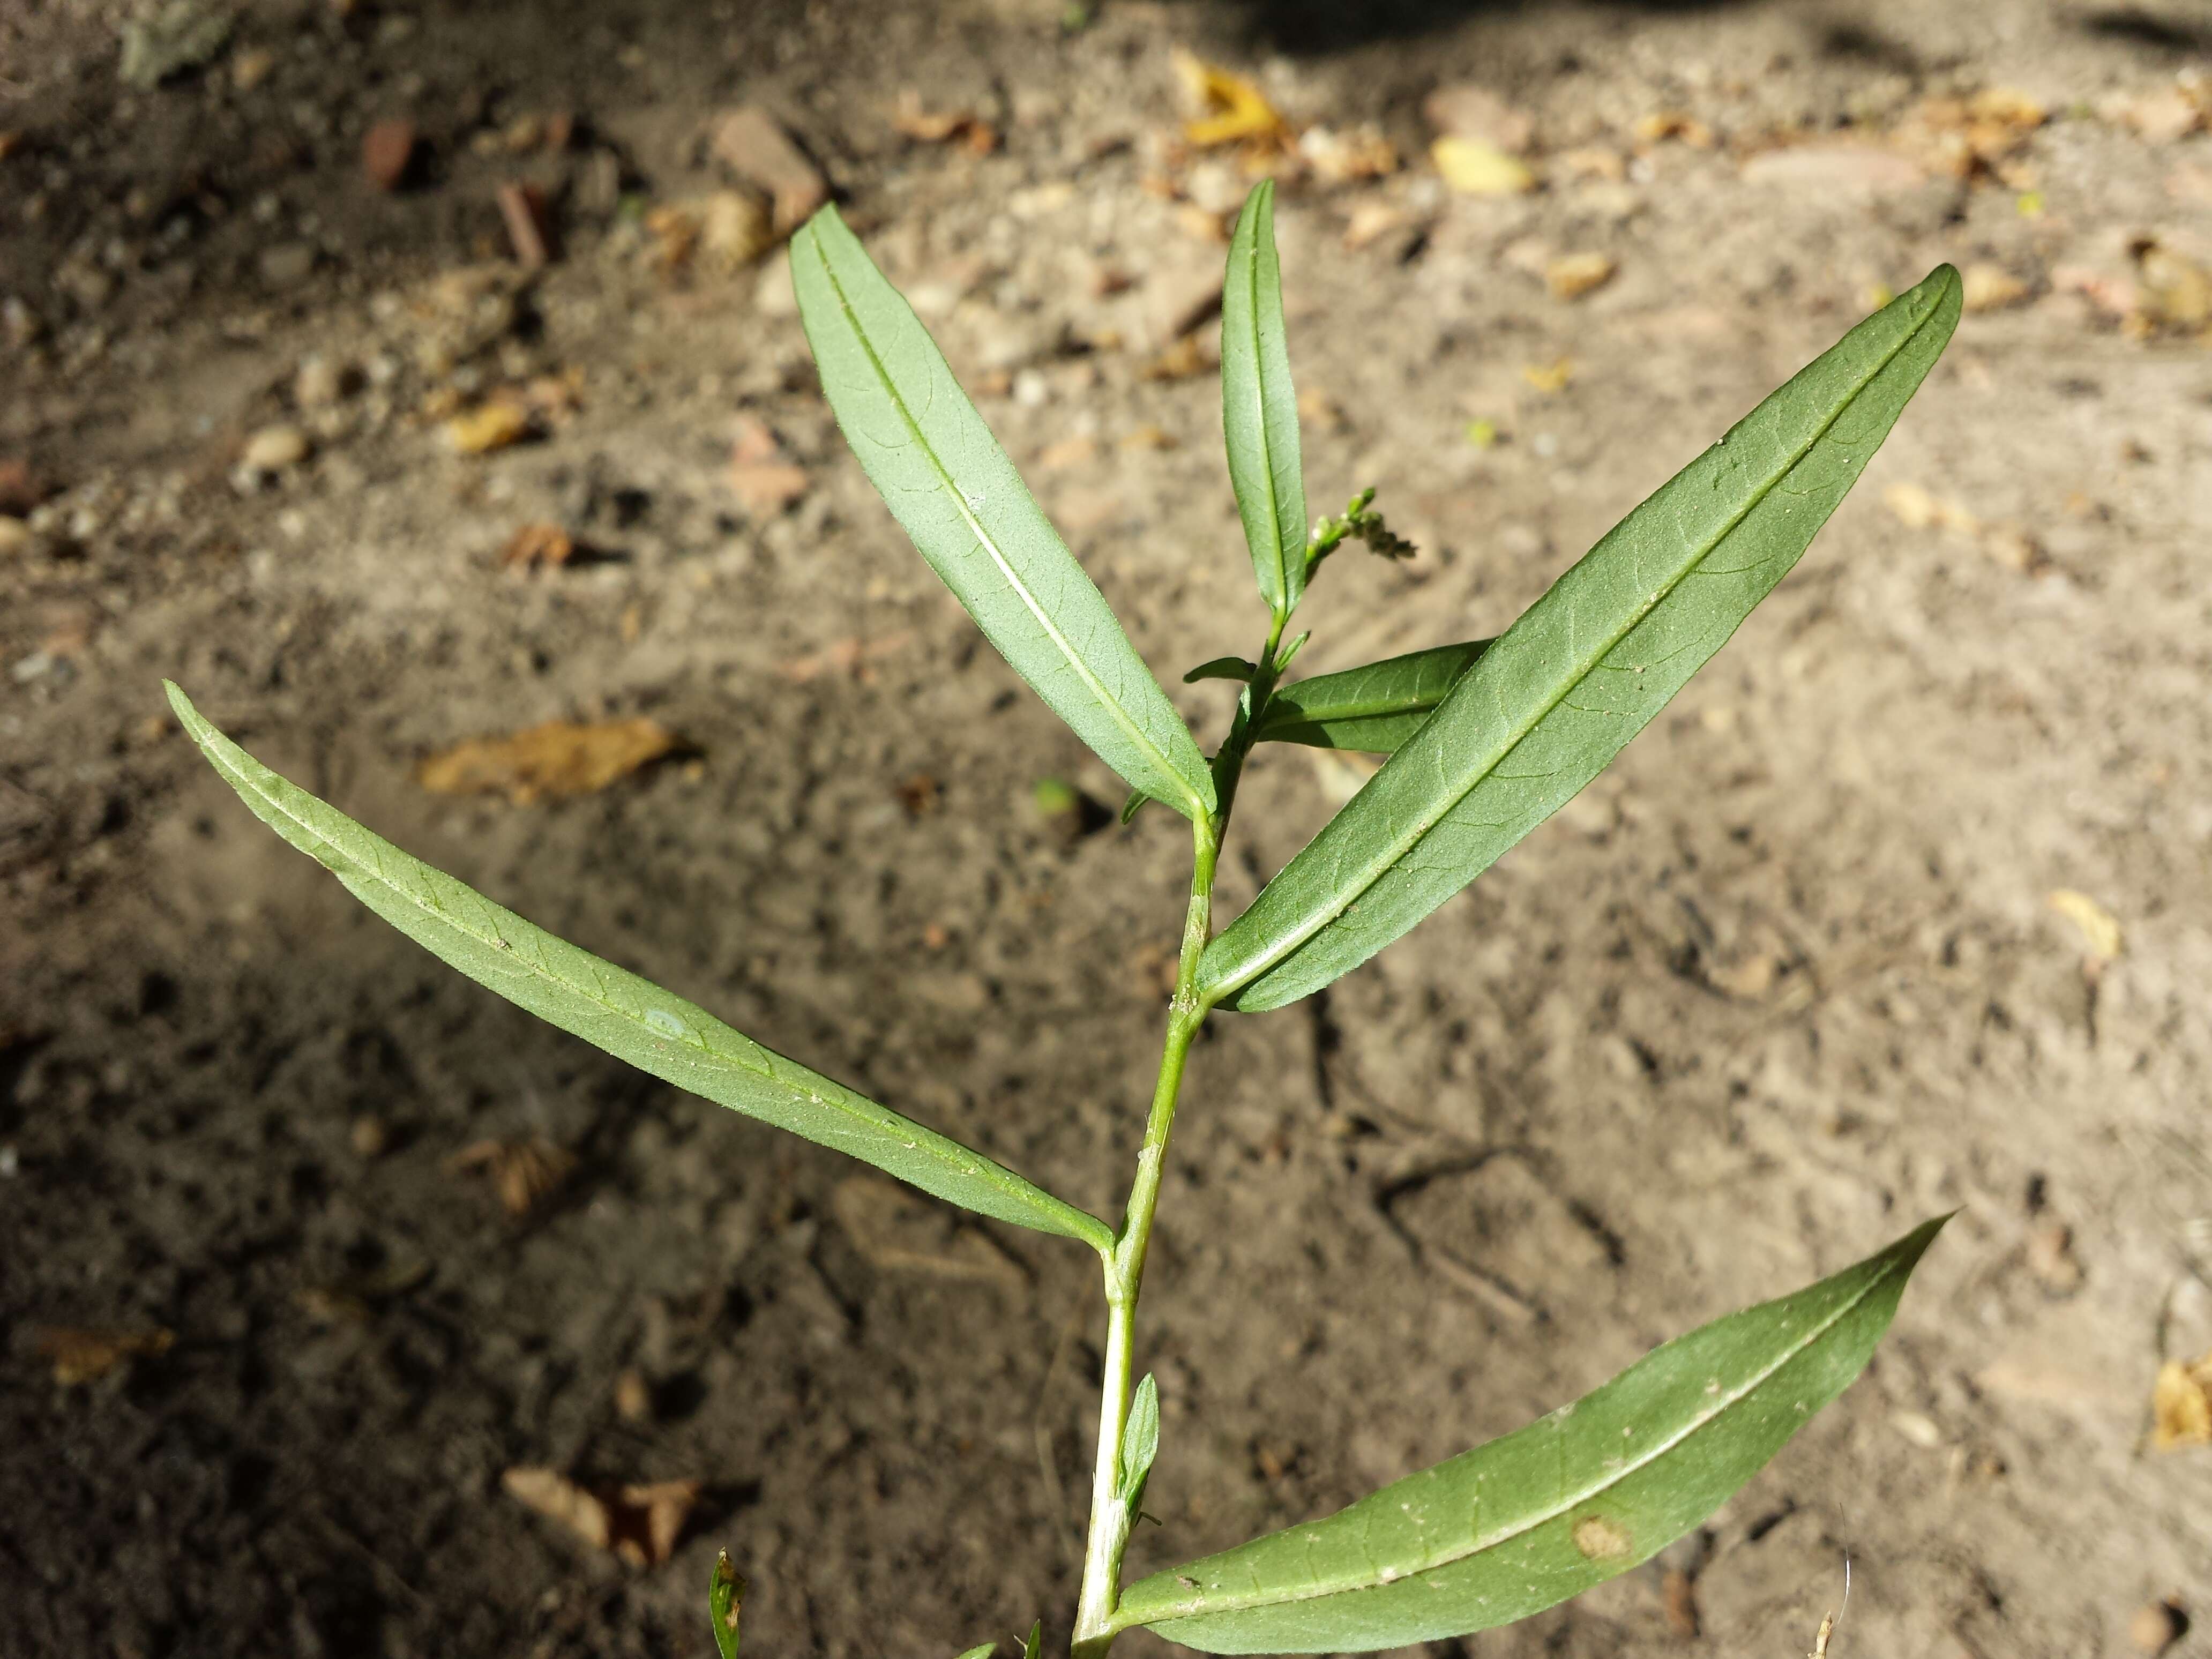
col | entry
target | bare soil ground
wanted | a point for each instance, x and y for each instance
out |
(1786, 981)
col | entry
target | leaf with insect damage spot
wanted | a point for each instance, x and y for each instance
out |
(1521, 1524)
(1585, 668)
(630, 1017)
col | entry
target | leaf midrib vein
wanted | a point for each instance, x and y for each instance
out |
(1483, 1545)
(983, 539)
(1287, 945)
(838, 1098)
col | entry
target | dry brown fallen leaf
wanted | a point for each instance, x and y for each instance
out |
(538, 546)
(489, 425)
(560, 758)
(1573, 275)
(1673, 124)
(2175, 292)
(1472, 168)
(642, 1524)
(768, 487)
(2181, 1404)
(2163, 117)
(1226, 109)
(1968, 138)
(899, 1230)
(1345, 155)
(1067, 452)
(2099, 931)
(851, 656)
(81, 1356)
(1185, 358)
(521, 1171)
(1991, 287)
(1554, 377)
(974, 134)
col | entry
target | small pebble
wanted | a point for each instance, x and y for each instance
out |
(287, 265)
(369, 1136)
(633, 1396)
(9, 1165)
(16, 537)
(387, 153)
(320, 381)
(273, 448)
(2156, 1626)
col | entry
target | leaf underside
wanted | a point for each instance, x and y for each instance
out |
(954, 491)
(613, 1009)
(1529, 1519)
(1373, 709)
(1584, 668)
(1259, 407)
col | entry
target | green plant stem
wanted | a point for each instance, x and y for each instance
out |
(1110, 1517)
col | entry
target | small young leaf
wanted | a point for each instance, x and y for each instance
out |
(1373, 709)
(952, 487)
(1221, 668)
(726, 1594)
(1525, 1522)
(1035, 1645)
(983, 1651)
(1585, 668)
(630, 1017)
(1259, 408)
(1140, 1441)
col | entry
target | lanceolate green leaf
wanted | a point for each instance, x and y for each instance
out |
(1525, 1522)
(1374, 708)
(629, 1016)
(953, 490)
(1585, 668)
(1259, 408)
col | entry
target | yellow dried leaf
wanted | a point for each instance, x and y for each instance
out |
(1553, 377)
(2007, 106)
(1474, 168)
(81, 1356)
(488, 427)
(642, 1524)
(2098, 929)
(2181, 1404)
(1992, 287)
(524, 1171)
(1574, 275)
(560, 758)
(1229, 109)
(536, 545)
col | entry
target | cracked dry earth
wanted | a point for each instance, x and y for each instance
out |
(1786, 981)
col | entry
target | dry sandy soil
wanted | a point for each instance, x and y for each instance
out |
(1785, 981)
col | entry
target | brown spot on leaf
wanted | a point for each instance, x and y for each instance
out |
(1599, 1538)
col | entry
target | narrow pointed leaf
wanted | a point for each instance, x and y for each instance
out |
(952, 487)
(1221, 668)
(984, 1651)
(726, 1595)
(1034, 1643)
(1141, 1441)
(1374, 708)
(1585, 668)
(1529, 1519)
(613, 1009)
(1259, 409)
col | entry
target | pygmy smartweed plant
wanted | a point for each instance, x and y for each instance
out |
(1484, 741)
